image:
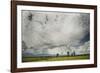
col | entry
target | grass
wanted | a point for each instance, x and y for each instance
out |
(59, 58)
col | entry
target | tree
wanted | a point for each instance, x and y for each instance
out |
(74, 53)
(57, 54)
(24, 46)
(68, 53)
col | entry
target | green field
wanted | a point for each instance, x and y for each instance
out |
(59, 58)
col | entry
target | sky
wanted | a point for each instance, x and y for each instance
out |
(53, 30)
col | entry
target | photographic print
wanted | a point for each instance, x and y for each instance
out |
(55, 36)
(52, 36)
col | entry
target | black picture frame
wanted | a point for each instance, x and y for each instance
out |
(45, 4)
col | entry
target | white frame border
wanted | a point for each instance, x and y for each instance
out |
(53, 63)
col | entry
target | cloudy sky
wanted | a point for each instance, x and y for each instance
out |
(49, 30)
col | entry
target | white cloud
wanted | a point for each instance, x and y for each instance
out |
(53, 28)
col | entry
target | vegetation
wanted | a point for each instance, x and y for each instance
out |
(55, 58)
